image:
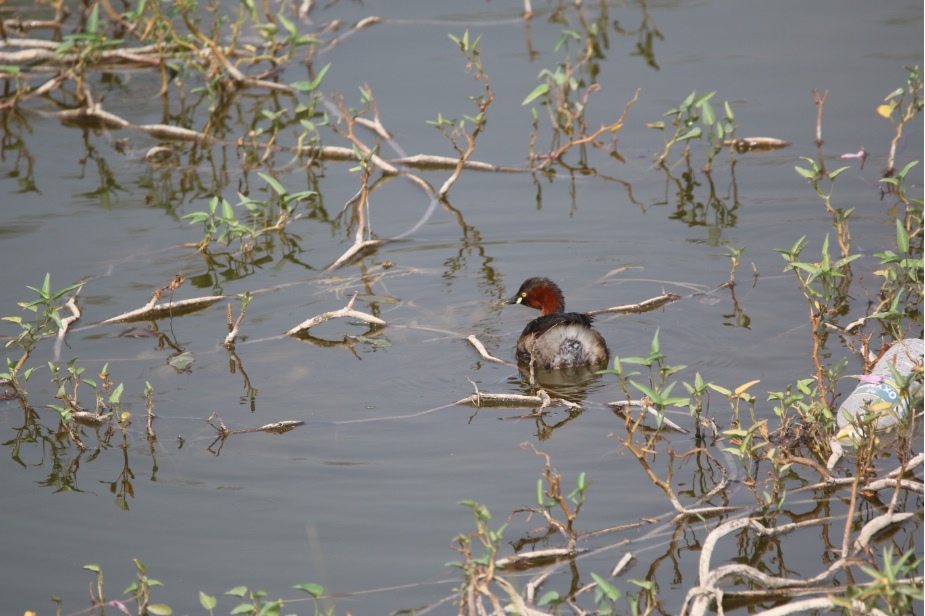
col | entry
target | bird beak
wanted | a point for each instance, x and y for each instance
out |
(514, 300)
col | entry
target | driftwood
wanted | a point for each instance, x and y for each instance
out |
(475, 342)
(647, 305)
(756, 144)
(480, 400)
(278, 427)
(86, 418)
(71, 305)
(347, 311)
(152, 311)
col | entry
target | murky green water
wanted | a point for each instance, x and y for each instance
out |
(363, 497)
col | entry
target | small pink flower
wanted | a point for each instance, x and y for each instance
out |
(120, 606)
(860, 154)
(876, 379)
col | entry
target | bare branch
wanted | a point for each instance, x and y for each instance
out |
(347, 311)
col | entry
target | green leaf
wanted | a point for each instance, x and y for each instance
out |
(306, 39)
(182, 361)
(735, 432)
(538, 91)
(207, 601)
(895, 93)
(93, 20)
(227, 210)
(834, 174)
(548, 598)
(137, 13)
(481, 512)
(843, 262)
(902, 174)
(809, 267)
(93, 568)
(709, 117)
(270, 608)
(317, 80)
(274, 183)
(244, 608)
(308, 86)
(116, 395)
(646, 390)
(611, 591)
(197, 217)
(806, 173)
(691, 134)
(159, 609)
(699, 102)
(729, 114)
(643, 584)
(902, 238)
(287, 24)
(315, 590)
(718, 389)
(237, 591)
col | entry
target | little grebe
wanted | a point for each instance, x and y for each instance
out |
(556, 339)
